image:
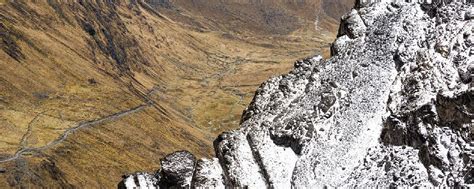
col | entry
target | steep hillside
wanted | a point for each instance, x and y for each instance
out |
(392, 108)
(92, 90)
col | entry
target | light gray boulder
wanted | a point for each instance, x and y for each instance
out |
(208, 174)
(177, 170)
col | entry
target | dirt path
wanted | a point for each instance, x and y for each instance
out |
(24, 139)
(71, 130)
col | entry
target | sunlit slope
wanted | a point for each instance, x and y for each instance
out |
(91, 90)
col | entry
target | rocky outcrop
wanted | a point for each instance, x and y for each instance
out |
(177, 170)
(208, 174)
(392, 107)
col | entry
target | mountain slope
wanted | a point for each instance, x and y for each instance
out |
(391, 108)
(92, 90)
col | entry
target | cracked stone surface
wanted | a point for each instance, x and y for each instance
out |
(392, 107)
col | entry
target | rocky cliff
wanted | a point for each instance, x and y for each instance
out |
(392, 107)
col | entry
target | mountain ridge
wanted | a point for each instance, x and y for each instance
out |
(69, 63)
(391, 108)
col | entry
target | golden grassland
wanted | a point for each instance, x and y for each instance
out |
(194, 84)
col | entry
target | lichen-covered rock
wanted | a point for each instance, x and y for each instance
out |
(393, 107)
(238, 161)
(177, 170)
(208, 174)
(352, 25)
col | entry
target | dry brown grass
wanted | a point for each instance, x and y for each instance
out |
(201, 83)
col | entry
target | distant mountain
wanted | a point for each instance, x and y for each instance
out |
(255, 16)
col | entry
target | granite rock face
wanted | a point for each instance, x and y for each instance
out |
(177, 170)
(392, 107)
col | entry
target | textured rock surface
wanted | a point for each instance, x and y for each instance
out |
(392, 107)
(177, 170)
(208, 174)
(140, 180)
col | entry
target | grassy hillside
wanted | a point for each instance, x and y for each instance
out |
(92, 90)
